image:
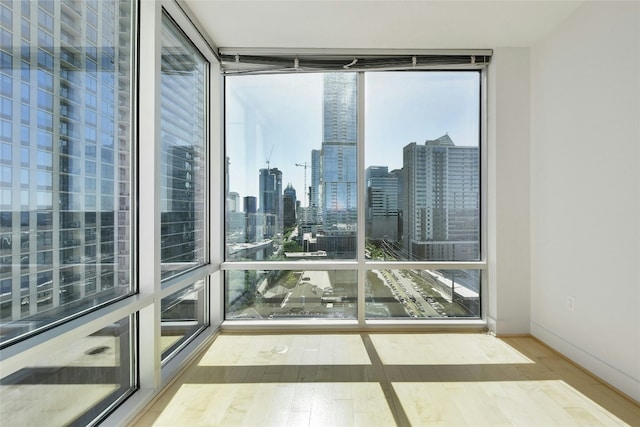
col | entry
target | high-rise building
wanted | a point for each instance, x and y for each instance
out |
(441, 200)
(250, 226)
(179, 215)
(314, 188)
(289, 203)
(267, 191)
(337, 184)
(270, 187)
(250, 204)
(398, 174)
(65, 155)
(338, 180)
(279, 201)
(382, 204)
(339, 108)
(233, 201)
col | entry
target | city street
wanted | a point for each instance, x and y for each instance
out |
(416, 305)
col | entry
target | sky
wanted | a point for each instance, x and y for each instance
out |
(278, 118)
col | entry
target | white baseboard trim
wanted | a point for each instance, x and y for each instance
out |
(608, 373)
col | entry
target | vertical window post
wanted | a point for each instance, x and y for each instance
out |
(149, 176)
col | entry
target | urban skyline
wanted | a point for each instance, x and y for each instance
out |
(425, 208)
(458, 166)
(279, 118)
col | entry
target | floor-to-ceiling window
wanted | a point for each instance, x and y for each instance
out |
(352, 194)
(66, 221)
(104, 105)
(292, 194)
(66, 160)
(422, 180)
(183, 184)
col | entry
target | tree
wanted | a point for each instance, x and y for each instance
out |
(292, 246)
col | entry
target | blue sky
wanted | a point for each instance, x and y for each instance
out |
(280, 116)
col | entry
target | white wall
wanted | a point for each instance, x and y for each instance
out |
(508, 195)
(585, 190)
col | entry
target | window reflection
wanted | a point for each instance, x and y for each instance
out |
(183, 315)
(74, 385)
(62, 263)
(183, 169)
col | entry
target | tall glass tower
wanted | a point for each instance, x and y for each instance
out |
(338, 159)
(270, 184)
(339, 108)
(337, 187)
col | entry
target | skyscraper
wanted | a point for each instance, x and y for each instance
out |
(314, 188)
(250, 226)
(250, 204)
(339, 186)
(270, 187)
(234, 218)
(233, 201)
(338, 169)
(339, 108)
(289, 206)
(398, 174)
(441, 200)
(382, 204)
(179, 210)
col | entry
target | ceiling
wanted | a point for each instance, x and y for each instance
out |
(390, 24)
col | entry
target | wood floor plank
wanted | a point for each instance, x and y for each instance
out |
(385, 380)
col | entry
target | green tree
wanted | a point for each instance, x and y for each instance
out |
(292, 246)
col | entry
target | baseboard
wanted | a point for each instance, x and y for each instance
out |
(609, 375)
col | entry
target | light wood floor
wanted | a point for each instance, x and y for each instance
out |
(380, 379)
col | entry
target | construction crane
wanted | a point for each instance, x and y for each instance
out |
(304, 165)
(269, 158)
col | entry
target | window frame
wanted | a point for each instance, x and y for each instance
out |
(206, 233)
(149, 374)
(45, 150)
(64, 333)
(360, 264)
(155, 371)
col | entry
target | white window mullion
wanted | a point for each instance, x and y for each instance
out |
(149, 194)
(484, 187)
(362, 273)
(216, 194)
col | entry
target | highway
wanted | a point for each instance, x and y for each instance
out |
(417, 303)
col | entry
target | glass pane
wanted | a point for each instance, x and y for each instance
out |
(182, 317)
(422, 293)
(422, 165)
(288, 294)
(72, 386)
(291, 186)
(184, 168)
(65, 184)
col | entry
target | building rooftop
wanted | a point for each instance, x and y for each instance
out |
(444, 140)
